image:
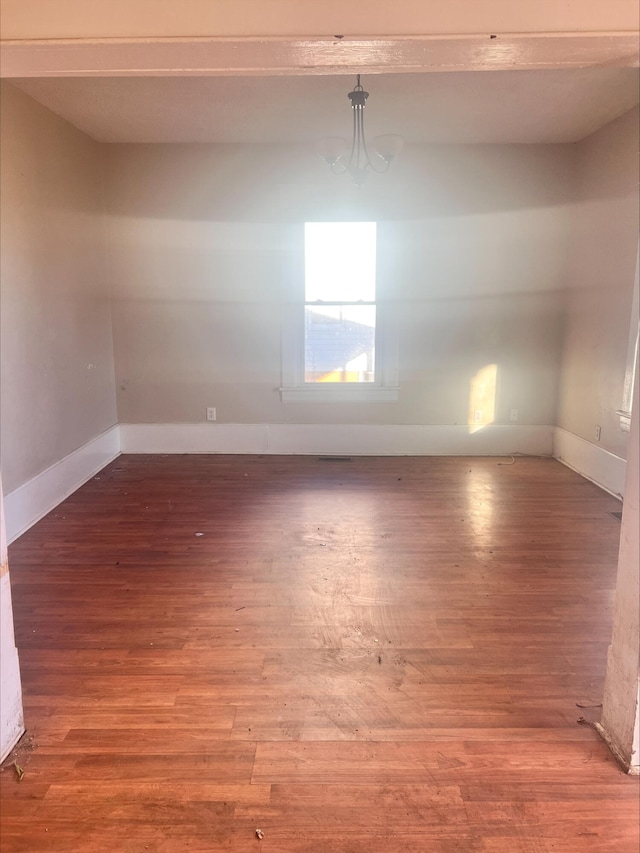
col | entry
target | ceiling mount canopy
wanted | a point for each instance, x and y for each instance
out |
(357, 161)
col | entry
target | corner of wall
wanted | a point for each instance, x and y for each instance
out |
(596, 464)
(32, 500)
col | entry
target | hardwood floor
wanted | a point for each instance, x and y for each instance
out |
(376, 654)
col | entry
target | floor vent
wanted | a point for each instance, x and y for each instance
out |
(334, 459)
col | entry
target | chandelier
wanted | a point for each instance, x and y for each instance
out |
(357, 161)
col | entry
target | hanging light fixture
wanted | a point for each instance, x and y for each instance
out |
(357, 161)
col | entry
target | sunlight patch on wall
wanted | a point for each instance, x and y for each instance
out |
(482, 398)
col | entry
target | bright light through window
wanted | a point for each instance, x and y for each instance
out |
(340, 310)
(340, 261)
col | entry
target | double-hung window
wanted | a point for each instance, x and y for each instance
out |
(338, 342)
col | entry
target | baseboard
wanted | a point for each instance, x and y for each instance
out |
(596, 464)
(194, 438)
(34, 499)
(337, 439)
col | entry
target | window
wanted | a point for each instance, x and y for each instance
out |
(339, 306)
(337, 343)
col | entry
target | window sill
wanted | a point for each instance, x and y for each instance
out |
(341, 394)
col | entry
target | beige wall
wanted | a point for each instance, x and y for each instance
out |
(206, 248)
(56, 345)
(601, 279)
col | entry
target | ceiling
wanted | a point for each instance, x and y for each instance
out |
(544, 106)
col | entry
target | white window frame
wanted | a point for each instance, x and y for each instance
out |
(384, 389)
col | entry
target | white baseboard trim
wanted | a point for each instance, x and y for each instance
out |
(337, 439)
(603, 468)
(194, 438)
(34, 499)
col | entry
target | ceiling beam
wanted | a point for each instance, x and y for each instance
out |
(335, 55)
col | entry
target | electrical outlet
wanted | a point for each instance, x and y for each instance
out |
(477, 416)
(513, 415)
(211, 414)
(598, 431)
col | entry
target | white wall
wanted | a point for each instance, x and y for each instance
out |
(56, 343)
(205, 246)
(206, 249)
(600, 284)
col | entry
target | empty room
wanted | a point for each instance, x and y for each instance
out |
(319, 436)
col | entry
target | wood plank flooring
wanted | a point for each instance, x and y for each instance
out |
(376, 654)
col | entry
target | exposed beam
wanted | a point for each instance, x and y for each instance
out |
(247, 56)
